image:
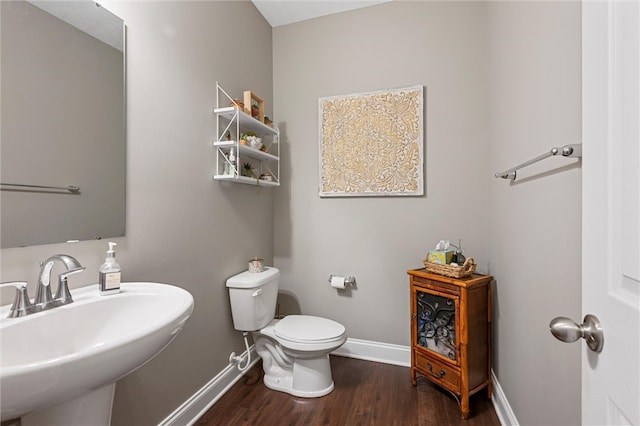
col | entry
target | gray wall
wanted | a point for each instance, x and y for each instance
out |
(439, 45)
(502, 86)
(182, 227)
(535, 224)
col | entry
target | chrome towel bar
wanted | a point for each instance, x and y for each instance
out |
(71, 188)
(573, 151)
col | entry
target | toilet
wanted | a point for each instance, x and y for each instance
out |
(295, 349)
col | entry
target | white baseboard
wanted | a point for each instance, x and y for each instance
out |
(198, 404)
(385, 353)
(194, 407)
(501, 405)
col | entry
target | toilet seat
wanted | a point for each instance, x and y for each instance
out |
(308, 329)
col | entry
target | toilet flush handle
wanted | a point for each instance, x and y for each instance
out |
(256, 293)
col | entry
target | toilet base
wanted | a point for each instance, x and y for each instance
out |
(299, 369)
(285, 384)
(308, 377)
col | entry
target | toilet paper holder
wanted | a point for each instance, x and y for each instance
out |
(347, 280)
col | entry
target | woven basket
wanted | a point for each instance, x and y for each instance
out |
(451, 271)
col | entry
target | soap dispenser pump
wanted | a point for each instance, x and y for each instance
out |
(109, 282)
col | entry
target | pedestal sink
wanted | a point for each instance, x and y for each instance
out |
(60, 366)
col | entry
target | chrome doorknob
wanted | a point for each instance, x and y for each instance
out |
(566, 330)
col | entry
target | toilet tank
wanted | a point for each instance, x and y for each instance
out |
(253, 298)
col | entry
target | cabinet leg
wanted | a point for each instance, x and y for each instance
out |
(464, 407)
(414, 382)
(489, 390)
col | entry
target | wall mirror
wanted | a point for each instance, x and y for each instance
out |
(62, 123)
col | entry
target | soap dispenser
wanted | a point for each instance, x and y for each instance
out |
(458, 257)
(109, 282)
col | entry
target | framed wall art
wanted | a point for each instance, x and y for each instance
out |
(371, 144)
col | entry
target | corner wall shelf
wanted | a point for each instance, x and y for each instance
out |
(230, 123)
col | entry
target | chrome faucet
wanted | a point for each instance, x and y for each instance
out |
(22, 305)
(43, 290)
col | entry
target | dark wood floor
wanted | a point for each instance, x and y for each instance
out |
(366, 393)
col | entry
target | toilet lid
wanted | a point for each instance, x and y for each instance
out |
(308, 328)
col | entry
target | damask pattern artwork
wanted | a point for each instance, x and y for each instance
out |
(371, 144)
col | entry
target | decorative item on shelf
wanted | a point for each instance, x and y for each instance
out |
(236, 103)
(467, 268)
(256, 265)
(267, 176)
(247, 170)
(254, 142)
(268, 121)
(244, 138)
(227, 136)
(230, 164)
(251, 100)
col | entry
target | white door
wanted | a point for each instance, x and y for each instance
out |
(610, 209)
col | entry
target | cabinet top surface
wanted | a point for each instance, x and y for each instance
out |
(473, 280)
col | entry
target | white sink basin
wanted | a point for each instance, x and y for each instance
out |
(58, 355)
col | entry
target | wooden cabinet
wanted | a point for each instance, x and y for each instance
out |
(451, 333)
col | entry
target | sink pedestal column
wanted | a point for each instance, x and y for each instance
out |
(93, 408)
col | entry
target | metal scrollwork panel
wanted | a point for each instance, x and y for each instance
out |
(436, 324)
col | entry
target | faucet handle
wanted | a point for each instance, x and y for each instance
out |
(21, 303)
(65, 274)
(63, 294)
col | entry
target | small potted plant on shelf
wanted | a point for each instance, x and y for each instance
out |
(247, 170)
(243, 139)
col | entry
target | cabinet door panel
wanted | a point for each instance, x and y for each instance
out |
(436, 323)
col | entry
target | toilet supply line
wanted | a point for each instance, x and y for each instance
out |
(237, 359)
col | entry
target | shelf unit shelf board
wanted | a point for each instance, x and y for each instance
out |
(246, 151)
(246, 180)
(246, 121)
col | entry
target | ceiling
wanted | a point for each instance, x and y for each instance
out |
(278, 12)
